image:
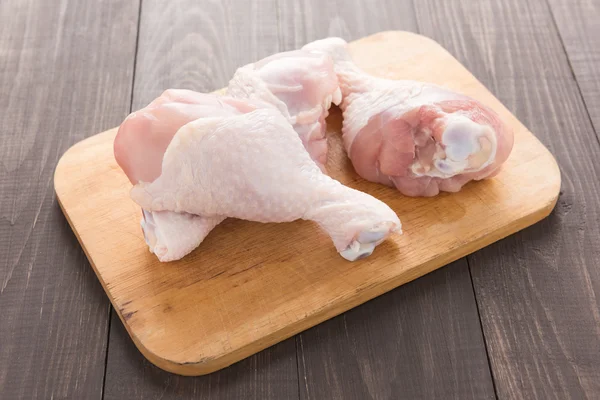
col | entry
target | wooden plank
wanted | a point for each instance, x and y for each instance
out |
(578, 23)
(406, 341)
(199, 45)
(536, 291)
(262, 283)
(65, 72)
(303, 21)
(421, 341)
(270, 374)
(193, 45)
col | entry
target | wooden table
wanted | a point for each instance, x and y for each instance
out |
(519, 319)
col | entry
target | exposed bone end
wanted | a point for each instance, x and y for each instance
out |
(171, 236)
(152, 235)
(367, 240)
(463, 146)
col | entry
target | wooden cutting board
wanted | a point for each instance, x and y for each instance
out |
(250, 285)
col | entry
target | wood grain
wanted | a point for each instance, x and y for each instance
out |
(405, 342)
(193, 45)
(538, 290)
(303, 21)
(261, 283)
(421, 341)
(57, 60)
(578, 23)
(270, 374)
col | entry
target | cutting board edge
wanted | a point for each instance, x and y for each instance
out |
(208, 365)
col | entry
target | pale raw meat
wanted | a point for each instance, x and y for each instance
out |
(302, 85)
(139, 147)
(239, 162)
(418, 137)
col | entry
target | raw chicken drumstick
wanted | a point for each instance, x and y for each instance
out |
(302, 85)
(418, 137)
(240, 162)
(139, 147)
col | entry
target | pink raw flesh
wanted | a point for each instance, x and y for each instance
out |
(418, 137)
(302, 85)
(144, 136)
(139, 149)
(387, 147)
